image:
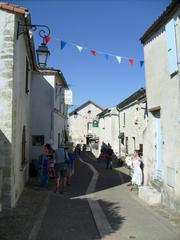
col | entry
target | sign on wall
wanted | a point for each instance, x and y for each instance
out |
(95, 123)
(67, 96)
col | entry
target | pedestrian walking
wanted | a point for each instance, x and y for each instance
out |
(51, 170)
(78, 149)
(109, 157)
(43, 167)
(137, 172)
(70, 158)
(60, 169)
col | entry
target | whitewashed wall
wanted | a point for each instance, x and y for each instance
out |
(60, 114)
(78, 126)
(163, 92)
(109, 130)
(21, 113)
(135, 123)
(41, 110)
(46, 119)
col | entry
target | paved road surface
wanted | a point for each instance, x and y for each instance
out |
(97, 205)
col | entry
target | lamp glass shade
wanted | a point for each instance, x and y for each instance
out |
(42, 55)
(75, 115)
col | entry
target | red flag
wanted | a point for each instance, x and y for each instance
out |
(93, 52)
(131, 61)
(47, 38)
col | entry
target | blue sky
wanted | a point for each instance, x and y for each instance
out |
(111, 26)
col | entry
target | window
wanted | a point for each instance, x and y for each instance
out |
(37, 140)
(59, 140)
(27, 77)
(124, 119)
(89, 125)
(134, 142)
(171, 47)
(136, 116)
(61, 107)
(23, 159)
(127, 145)
(141, 149)
(122, 140)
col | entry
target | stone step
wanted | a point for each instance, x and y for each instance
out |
(150, 195)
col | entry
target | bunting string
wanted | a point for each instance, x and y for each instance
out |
(94, 52)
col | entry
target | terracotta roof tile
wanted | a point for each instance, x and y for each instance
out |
(175, 4)
(13, 8)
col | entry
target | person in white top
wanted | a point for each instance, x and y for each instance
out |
(137, 171)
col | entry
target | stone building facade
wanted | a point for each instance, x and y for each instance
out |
(81, 123)
(109, 129)
(23, 86)
(133, 119)
(16, 65)
(162, 136)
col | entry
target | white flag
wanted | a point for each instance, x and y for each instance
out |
(30, 33)
(79, 48)
(68, 96)
(118, 59)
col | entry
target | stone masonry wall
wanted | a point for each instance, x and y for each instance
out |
(6, 83)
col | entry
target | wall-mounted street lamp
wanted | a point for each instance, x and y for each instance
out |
(75, 114)
(42, 55)
(42, 52)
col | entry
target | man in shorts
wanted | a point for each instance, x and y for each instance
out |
(60, 169)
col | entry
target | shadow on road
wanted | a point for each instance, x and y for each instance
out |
(67, 216)
(107, 178)
(111, 211)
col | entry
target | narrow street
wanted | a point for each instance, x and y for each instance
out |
(81, 84)
(109, 212)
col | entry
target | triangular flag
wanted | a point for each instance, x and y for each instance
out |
(118, 59)
(131, 61)
(63, 44)
(79, 48)
(93, 52)
(141, 63)
(30, 33)
(47, 38)
(106, 56)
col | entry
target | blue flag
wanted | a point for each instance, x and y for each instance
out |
(141, 63)
(106, 56)
(63, 44)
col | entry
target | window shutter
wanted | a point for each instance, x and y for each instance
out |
(171, 46)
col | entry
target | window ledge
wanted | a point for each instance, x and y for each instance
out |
(173, 74)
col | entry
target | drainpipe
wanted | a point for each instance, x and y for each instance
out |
(52, 127)
(119, 128)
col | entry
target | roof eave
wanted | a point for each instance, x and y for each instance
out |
(169, 11)
(135, 96)
(13, 8)
(84, 105)
(56, 72)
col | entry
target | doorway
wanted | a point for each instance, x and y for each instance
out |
(158, 145)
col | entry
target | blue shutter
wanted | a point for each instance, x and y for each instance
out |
(171, 46)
